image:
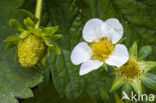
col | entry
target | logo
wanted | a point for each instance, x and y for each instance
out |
(138, 97)
(125, 96)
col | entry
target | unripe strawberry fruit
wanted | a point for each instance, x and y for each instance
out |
(30, 50)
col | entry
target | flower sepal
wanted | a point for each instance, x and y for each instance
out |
(49, 31)
(133, 51)
(118, 82)
(24, 34)
(29, 24)
(136, 84)
(105, 66)
(16, 25)
(147, 65)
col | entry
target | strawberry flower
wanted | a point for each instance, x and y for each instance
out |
(101, 46)
(135, 72)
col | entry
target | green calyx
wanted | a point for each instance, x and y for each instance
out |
(33, 43)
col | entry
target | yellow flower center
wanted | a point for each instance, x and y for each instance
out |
(131, 70)
(102, 50)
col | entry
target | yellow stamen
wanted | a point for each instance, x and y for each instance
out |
(130, 70)
(102, 50)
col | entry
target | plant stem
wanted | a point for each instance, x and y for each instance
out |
(38, 12)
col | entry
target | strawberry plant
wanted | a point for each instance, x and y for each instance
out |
(77, 51)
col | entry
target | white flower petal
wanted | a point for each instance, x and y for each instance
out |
(90, 66)
(115, 23)
(119, 57)
(115, 36)
(112, 29)
(105, 29)
(80, 53)
(91, 30)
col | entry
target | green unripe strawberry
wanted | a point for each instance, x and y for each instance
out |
(30, 50)
(34, 44)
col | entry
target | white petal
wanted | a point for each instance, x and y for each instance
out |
(115, 23)
(80, 53)
(90, 66)
(105, 29)
(112, 29)
(91, 30)
(119, 57)
(115, 36)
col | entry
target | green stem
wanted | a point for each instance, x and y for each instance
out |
(38, 12)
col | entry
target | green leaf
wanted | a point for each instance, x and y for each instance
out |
(147, 65)
(16, 81)
(136, 84)
(140, 14)
(10, 4)
(98, 85)
(149, 80)
(65, 76)
(133, 51)
(118, 82)
(15, 25)
(53, 96)
(29, 24)
(144, 52)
